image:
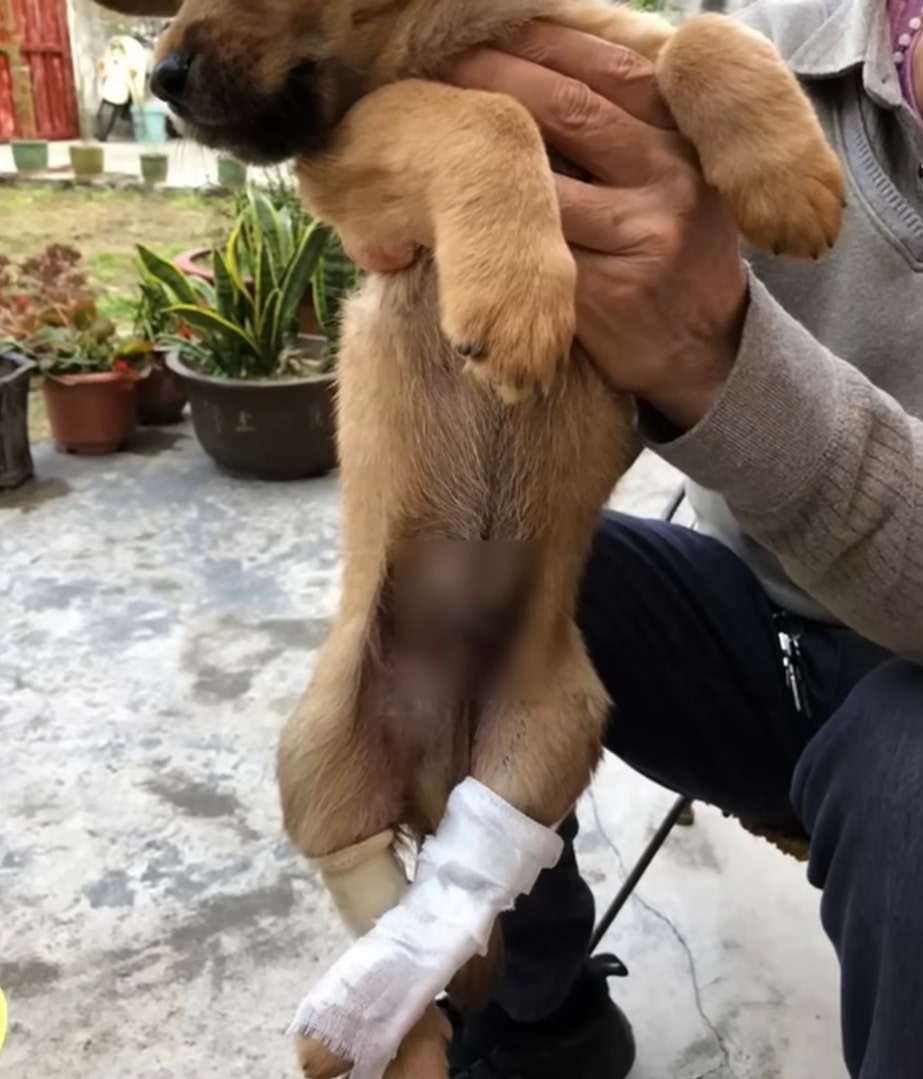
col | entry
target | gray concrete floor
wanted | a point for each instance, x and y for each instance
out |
(157, 623)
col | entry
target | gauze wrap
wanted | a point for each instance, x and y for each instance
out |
(483, 856)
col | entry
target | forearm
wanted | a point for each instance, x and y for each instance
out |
(823, 469)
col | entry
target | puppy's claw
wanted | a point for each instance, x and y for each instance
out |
(475, 350)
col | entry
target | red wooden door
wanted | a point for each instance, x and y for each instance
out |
(37, 98)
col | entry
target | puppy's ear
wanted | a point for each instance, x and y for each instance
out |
(163, 9)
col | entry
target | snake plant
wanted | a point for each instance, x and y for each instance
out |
(245, 323)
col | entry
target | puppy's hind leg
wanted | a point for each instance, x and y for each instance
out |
(340, 804)
(537, 751)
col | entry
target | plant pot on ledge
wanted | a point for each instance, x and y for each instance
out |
(87, 161)
(30, 155)
(232, 173)
(155, 168)
(91, 414)
(161, 395)
(15, 456)
(273, 429)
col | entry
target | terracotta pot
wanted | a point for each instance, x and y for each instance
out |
(15, 456)
(161, 396)
(196, 262)
(281, 430)
(90, 414)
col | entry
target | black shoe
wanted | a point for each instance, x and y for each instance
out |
(588, 1037)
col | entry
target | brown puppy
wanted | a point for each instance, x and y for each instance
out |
(467, 518)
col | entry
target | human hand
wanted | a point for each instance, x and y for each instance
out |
(661, 289)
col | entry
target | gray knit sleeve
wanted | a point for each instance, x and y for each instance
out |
(821, 467)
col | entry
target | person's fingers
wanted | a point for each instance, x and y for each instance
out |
(600, 137)
(590, 216)
(623, 222)
(386, 258)
(619, 75)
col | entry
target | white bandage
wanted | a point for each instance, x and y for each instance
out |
(364, 881)
(484, 855)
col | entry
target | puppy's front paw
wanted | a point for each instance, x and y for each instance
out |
(511, 316)
(758, 138)
(789, 199)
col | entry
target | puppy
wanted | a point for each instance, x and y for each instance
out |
(476, 444)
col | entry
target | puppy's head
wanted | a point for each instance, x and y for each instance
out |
(264, 79)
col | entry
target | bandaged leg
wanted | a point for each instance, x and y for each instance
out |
(364, 881)
(484, 855)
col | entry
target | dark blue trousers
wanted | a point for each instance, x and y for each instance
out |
(683, 638)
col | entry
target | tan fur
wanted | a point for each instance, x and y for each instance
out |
(430, 454)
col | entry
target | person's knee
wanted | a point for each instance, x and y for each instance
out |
(857, 785)
(628, 569)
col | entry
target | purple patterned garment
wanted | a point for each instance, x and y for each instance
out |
(906, 19)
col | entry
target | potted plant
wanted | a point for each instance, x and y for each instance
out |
(15, 455)
(53, 321)
(262, 396)
(155, 168)
(283, 196)
(87, 158)
(161, 395)
(232, 173)
(30, 155)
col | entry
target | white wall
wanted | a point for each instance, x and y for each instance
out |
(90, 29)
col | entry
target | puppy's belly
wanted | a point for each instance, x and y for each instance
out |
(477, 497)
(468, 466)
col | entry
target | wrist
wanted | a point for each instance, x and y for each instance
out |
(685, 408)
(686, 399)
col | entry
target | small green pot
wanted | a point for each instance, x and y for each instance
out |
(30, 155)
(154, 168)
(231, 172)
(87, 161)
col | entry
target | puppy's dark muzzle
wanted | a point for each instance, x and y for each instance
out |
(170, 79)
(259, 124)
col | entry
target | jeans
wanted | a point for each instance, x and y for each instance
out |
(683, 638)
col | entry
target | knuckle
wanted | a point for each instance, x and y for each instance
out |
(683, 184)
(622, 65)
(574, 104)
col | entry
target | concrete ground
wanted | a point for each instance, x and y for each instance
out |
(157, 623)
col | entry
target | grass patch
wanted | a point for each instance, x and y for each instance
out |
(106, 226)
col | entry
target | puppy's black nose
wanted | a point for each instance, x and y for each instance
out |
(168, 79)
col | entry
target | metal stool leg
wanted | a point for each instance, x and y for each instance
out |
(680, 806)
